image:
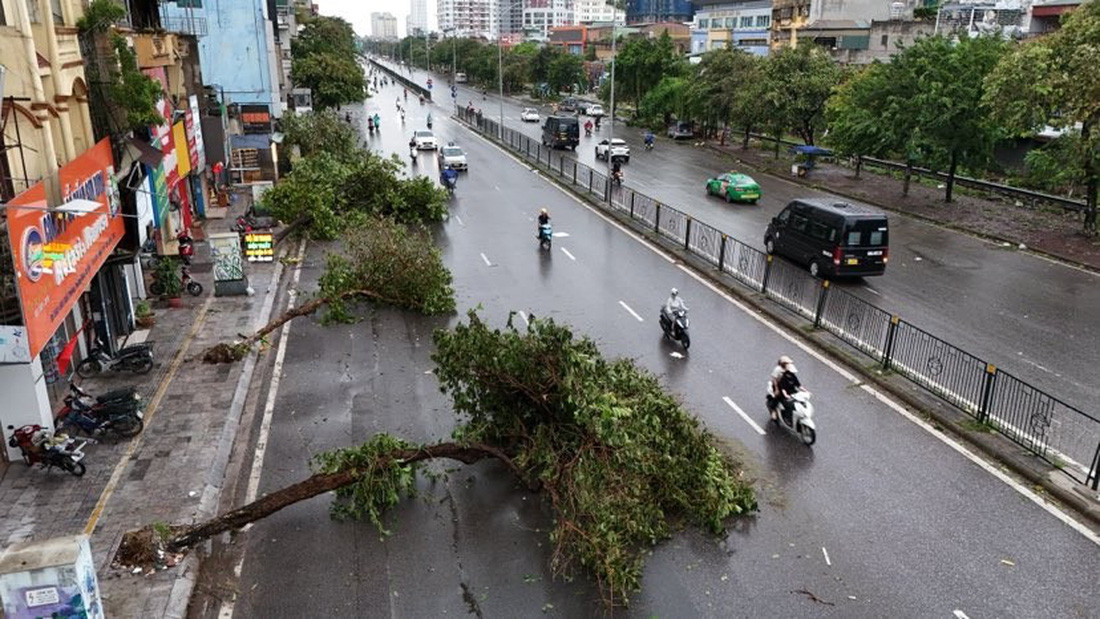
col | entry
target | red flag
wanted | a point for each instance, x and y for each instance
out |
(66, 356)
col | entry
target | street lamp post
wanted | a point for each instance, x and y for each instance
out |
(611, 111)
(500, 61)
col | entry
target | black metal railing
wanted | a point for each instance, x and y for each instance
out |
(1061, 434)
(408, 83)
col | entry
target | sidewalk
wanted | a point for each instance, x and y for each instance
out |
(1048, 231)
(160, 475)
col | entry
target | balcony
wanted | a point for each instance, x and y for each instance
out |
(195, 26)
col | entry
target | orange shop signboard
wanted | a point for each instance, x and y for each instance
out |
(56, 253)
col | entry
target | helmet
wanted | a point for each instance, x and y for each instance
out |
(790, 368)
(674, 292)
(785, 360)
(543, 212)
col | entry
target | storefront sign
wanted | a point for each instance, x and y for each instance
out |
(255, 119)
(56, 253)
(14, 347)
(259, 246)
(158, 187)
(163, 139)
(194, 134)
(183, 158)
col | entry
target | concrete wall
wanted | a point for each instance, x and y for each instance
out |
(237, 51)
(865, 10)
(25, 400)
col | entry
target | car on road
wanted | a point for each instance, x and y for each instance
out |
(568, 104)
(460, 78)
(594, 110)
(734, 187)
(529, 115)
(425, 140)
(561, 132)
(832, 238)
(619, 149)
(681, 129)
(451, 156)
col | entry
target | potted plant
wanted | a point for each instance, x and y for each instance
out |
(144, 315)
(167, 282)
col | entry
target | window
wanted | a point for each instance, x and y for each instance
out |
(32, 12)
(885, 40)
(731, 22)
(763, 21)
(746, 22)
(703, 23)
(3, 20)
(798, 222)
(784, 216)
(822, 232)
(58, 15)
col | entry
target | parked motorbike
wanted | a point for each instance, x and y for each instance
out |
(137, 359)
(41, 446)
(801, 422)
(186, 246)
(193, 287)
(124, 399)
(78, 416)
(676, 326)
(546, 236)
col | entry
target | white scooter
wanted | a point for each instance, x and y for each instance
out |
(802, 416)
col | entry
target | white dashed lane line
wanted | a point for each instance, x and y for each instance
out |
(737, 409)
(632, 312)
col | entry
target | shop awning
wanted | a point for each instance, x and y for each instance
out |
(251, 140)
(145, 153)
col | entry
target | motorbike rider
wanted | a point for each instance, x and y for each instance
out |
(449, 176)
(675, 303)
(785, 384)
(649, 139)
(429, 120)
(597, 123)
(616, 169)
(588, 128)
(377, 120)
(544, 218)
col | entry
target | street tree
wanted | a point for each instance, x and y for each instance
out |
(619, 462)
(670, 97)
(797, 81)
(945, 81)
(319, 132)
(566, 73)
(726, 89)
(323, 59)
(1055, 80)
(867, 114)
(641, 63)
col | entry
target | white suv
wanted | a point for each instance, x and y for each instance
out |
(619, 150)
(425, 140)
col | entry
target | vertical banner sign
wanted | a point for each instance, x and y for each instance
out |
(195, 129)
(57, 252)
(259, 246)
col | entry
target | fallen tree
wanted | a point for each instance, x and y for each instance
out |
(620, 462)
(381, 261)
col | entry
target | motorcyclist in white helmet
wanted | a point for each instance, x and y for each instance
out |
(675, 302)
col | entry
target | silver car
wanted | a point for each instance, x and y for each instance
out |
(451, 156)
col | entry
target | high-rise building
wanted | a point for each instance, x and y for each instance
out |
(596, 11)
(383, 26)
(417, 22)
(539, 16)
(656, 11)
(467, 18)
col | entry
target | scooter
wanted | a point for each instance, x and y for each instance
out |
(41, 446)
(676, 326)
(649, 145)
(546, 236)
(78, 416)
(124, 399)
(190, 285)
(449, 183)
(137, 359)
(802, 415)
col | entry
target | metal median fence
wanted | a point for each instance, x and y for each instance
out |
(1061, 434)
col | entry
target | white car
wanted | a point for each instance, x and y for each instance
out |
(425, 140)
(529, 115)
(594, 110)
(619, 150)
(451, 156)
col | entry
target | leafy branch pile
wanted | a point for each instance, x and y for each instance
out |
(621, 463)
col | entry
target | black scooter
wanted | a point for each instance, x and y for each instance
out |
(137, 359)
(676, 327)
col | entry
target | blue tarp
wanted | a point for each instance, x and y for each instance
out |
(812, 151)
(252, 140)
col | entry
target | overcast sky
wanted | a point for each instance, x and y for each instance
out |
(358, 12)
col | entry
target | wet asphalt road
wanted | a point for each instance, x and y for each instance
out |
(1030, 316)
(878, 519)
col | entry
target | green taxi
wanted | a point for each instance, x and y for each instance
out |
(734, 186)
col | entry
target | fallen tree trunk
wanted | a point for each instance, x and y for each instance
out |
(308, 308)
(322, 483)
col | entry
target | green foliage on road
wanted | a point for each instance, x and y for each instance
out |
(1055, 80)
(324, 60)
(620, 462)
(386, 261)
(319, 132)
(334, 193)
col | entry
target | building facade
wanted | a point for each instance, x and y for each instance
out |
(466, 18)
(724, 24)
(539, 16)
(596, 11)
(383, 26)
(655, 11)
(859, 42)
(417, 21)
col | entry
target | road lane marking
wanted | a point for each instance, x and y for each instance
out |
(826, 553)
(989, 468)
(486, 259)
(460, 222)
(523, 316)
(150, 410)
(872, 290)
(960, 614)
(632, 312)
(571, 256)
(744, 416)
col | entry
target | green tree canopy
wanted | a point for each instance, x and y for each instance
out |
(566, 72)
(1055, 80)
(797, 83)
(324, 60)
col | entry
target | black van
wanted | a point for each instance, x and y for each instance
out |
(561, 132)
(835, 239)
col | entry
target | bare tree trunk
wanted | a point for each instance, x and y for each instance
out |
(777, 138)
(908, 177)
(745, 142)
(859, 165)
(294, 225)
(1091, 179)
(326, 482)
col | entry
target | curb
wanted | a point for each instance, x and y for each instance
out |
(936, 410)
(180, 597)
(917, 216)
